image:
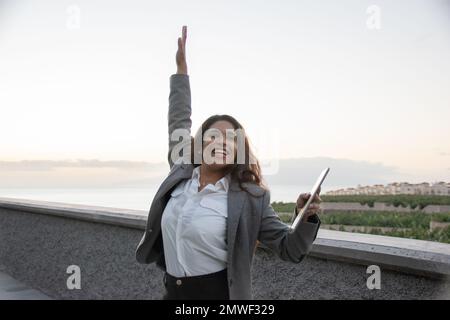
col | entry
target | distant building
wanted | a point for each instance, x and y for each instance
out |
(438, 188)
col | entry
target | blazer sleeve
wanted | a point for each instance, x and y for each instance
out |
(276, 235)
(179, 118)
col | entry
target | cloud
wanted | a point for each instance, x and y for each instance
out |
(344, 172)
(80, 173)
(85, 173)
(47, 165)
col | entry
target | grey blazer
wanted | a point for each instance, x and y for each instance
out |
(250, 216)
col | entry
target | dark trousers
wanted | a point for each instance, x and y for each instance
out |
(212, 286)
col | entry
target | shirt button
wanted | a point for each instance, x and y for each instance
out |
(178, 282)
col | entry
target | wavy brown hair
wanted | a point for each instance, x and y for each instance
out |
(249, 171)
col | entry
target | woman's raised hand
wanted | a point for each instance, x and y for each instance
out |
(181, 52)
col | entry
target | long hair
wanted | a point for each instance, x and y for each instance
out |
(247, 172)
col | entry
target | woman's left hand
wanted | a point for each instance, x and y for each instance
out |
(314, 207)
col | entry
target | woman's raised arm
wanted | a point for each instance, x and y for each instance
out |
(179, 104)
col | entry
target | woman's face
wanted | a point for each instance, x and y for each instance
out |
(219, 145)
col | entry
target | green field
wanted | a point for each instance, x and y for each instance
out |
(397, 200)
(378, 219)
(403, 200)
(414, 220)
(417, 224)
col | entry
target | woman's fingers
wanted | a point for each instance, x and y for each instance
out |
(303, 198)
(301, 201)
(181, 55)
(180, 52)
(184, 35)
(314, 207)
(317, 199)
(182, 39)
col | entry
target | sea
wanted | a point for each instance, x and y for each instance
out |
(126, 198)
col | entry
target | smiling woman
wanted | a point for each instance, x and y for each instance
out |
(282, 89)
(233, 156)
(206, 218)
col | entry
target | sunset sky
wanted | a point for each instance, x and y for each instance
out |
(307, 79)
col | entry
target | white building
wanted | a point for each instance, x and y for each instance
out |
(438, 188)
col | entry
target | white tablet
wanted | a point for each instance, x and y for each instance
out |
(313, 193)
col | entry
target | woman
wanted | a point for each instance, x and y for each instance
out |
(206, 219)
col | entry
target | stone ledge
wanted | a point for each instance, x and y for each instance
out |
(424, 258)
(115, 216)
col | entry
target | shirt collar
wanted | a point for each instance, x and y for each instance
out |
(223, 183)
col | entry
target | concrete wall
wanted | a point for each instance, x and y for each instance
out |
(39, 240)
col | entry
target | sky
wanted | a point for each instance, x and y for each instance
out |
(314, 83)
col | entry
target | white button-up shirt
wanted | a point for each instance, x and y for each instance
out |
(194, 227)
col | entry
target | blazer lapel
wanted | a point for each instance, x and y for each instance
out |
(236, 199)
